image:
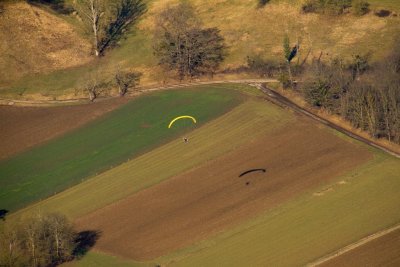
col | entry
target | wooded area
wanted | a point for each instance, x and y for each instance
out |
(42, 240)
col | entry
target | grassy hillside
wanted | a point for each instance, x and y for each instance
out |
(130, 130)
(247, 30)
(35, 41)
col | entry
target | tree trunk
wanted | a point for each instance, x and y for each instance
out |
(57, 245)
(92, 95)
(290, 75)
(95, 25)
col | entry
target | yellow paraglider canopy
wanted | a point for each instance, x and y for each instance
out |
(181, 117)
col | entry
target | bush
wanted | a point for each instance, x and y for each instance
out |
(382, 13)
(310, 6)
(284, 80)
(317, 92)
(335, 7)
(262, 3)
(262, 67)
(360, 7)
(359, 64)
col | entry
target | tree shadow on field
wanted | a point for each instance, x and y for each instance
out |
(3, 213)
(84, 241)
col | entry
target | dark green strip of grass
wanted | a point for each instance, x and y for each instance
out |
(123, 134)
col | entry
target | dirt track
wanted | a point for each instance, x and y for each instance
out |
(280, 99)
(24, 127)
(206, 200)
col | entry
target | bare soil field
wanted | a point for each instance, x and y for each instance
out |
(24, 127)
(383, 251)
(206, 200)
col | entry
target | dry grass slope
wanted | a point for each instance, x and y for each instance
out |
(247, 30)
(34, 41)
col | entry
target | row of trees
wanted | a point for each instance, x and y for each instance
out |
(366, 95)
(40, 240)
(96, 83)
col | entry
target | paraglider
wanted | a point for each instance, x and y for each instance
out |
(252, 170)
(181, 117)
(185, 139)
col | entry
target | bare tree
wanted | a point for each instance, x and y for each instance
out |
(289, 54)
(108, 21)
(11, 251)
(92, 11)
(126, 80)
(184, 46)
(61, 236)
(93, 84)
(33, 232)
(38, 240)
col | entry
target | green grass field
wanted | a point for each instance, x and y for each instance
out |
(123, 134)
(223, 134)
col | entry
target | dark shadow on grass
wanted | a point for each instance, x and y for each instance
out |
(84, 241)
(127, 14)
(58, 6)
(382, 13)
(3, 213)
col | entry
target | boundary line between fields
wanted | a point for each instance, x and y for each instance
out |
(352, 246)
(136, 91)
(276, 97)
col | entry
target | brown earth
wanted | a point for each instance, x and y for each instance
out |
(24, 127)
(383, 251)
(34, 41)
(206, 200)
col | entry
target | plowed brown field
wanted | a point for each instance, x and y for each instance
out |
(24, 127)
(383, 251)
(206, 200)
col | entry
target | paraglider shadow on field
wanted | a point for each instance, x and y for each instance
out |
(252, 170)
(3, 213)
(84, 241)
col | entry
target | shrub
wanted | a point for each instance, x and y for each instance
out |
(265, 68)
(360, 7)
(310, 6)
(383, 13)
(262, 3)
(284, 80)
(334, 7)
(317, 92)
